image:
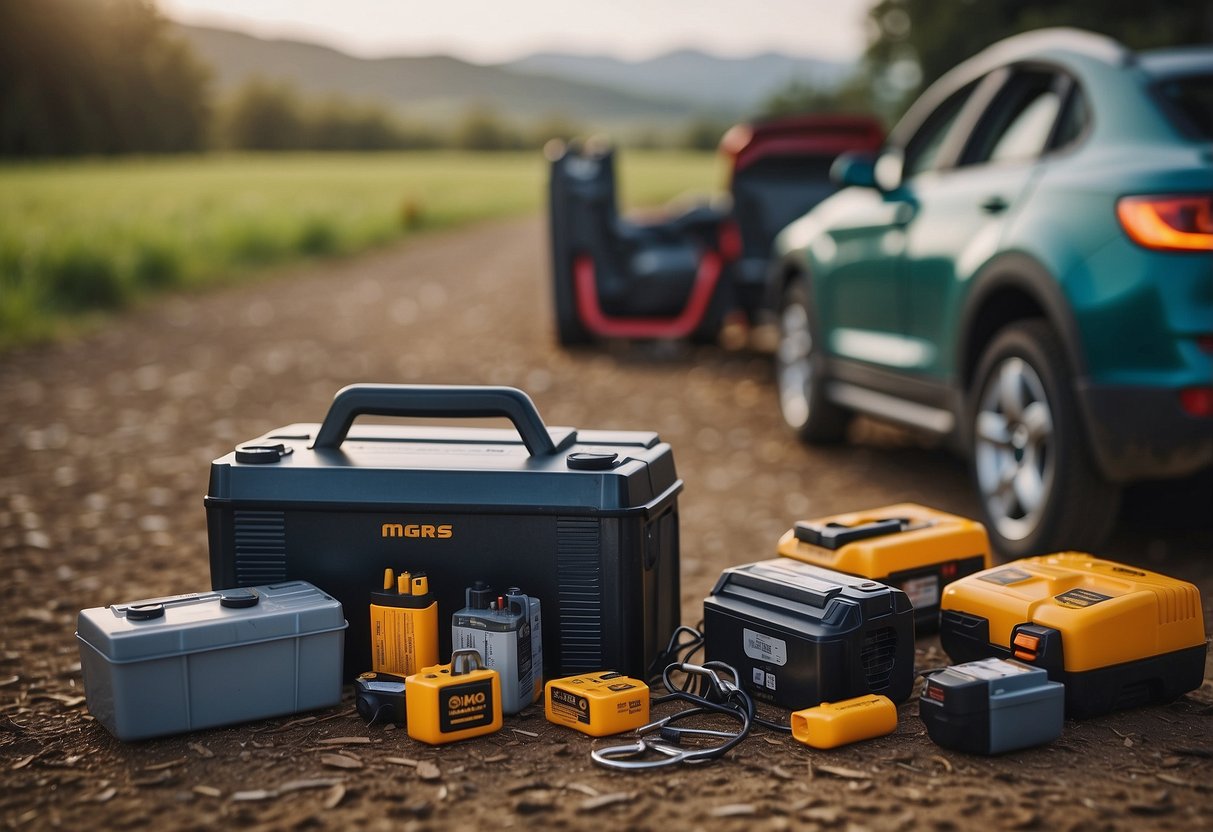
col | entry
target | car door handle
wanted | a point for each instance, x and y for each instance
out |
(994, 205)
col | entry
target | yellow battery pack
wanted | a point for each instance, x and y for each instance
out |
(404, 624)
(832, 724)
(1116, 636)
(455, 701)
(597, 704)
(917, 549)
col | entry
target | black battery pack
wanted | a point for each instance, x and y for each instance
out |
(800, 635)
(992, 706)
(586, 520)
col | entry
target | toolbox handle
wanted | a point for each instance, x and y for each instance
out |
(441, 401)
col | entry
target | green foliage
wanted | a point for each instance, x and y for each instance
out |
(704, 134)
(265, 115)
(483, 129)
(96, 76)
(82, 237)
(272, 115)
(854, 96)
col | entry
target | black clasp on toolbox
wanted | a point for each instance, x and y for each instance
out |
(587, 519)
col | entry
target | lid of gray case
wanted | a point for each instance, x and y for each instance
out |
(179, 624)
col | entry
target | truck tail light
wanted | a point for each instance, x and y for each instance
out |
(1168, 223)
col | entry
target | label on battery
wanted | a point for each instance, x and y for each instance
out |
(1081, 598)
(394, 639)
(764, 648)
(468, 705)
(1005, 577)
(922, 592)
(570, 706)
(989, 669)
(500, 651)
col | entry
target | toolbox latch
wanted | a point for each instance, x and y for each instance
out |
(837, 535)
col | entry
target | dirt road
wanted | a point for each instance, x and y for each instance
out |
(103, 464)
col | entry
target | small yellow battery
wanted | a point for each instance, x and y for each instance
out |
(832, 724)
(597, 704)
(404, 624)
(455, 701)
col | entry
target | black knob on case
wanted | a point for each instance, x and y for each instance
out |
(144, 612)
(238, 598)
(261, 454)
(582, 461)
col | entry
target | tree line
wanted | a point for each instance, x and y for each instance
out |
(111, 76)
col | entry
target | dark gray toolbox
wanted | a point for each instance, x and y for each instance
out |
(586, 520)
(800, 635)
(185, 662)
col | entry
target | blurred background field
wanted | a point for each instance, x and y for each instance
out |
(83, 237)
(148, 145)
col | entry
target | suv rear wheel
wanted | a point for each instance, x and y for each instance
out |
(1039, 488)
(798, 371)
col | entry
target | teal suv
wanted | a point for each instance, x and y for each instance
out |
(1025, 269)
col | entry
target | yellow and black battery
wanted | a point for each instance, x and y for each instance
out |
(914, 548)
(404, 624)
(1116, 636)
(597, 704)
(455, 701)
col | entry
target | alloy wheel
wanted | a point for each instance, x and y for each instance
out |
(1014, 449)
(793, 367)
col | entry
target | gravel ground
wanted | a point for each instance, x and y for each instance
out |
(103, 466)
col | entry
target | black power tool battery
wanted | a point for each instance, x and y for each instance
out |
(800, 635)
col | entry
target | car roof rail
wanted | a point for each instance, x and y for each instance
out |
(1060, 39)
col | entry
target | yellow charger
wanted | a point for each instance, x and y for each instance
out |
(1115, 635)
(597, 704)
(833, 724)
(456, 701)
(917, 549)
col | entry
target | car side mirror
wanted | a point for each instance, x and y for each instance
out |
(888, 170)
(857, 169)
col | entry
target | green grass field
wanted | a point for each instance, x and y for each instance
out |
(89, 237)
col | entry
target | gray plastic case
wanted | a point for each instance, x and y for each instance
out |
(186, 662)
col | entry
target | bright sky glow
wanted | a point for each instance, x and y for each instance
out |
(487, 31)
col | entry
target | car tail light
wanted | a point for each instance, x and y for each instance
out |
(1197, 401)
(1205, 342)
(1169, 223)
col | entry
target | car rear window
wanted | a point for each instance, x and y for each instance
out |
(1188, 102)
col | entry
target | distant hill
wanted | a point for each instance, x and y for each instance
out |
(432, 86)
(593, 90)
(735, 85)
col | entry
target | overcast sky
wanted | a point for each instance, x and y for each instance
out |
(495, 30)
